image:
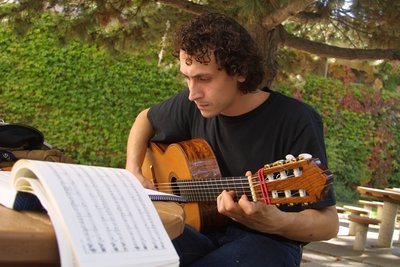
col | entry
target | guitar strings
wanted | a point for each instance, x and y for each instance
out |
(196, 195)
(201, 189)
(213, 181)
(209, 189)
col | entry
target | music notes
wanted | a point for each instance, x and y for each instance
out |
(108, 210)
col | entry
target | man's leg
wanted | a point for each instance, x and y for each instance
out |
(239, 247)
(192, 245)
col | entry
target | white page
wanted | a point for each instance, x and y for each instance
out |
(67, 258)
(119, 228)
(7, 192)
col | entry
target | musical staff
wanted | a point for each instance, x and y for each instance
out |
(115, 220)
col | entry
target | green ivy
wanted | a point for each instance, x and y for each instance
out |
(361, 131)
(80, 97)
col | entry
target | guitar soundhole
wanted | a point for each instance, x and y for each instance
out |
(174, 186)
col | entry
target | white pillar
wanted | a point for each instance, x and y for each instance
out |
(386, 227)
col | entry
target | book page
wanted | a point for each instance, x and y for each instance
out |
(7, 192)
(67, 258)
(109, 218)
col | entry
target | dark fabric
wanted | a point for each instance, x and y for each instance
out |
(7, 156)
(280, 126)
(27, 201)
(19, 141)
(16, 136)
(235, 247)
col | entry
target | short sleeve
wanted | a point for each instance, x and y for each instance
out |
(171, 118)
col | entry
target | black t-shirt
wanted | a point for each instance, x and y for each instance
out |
(281, 125)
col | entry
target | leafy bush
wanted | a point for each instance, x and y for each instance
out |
(80, 97)
(361, 131)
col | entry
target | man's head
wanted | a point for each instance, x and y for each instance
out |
(234, 49)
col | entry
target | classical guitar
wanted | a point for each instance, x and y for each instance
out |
(189, 169)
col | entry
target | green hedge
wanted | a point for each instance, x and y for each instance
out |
(80, 97)
(85, 100)
(361, 131)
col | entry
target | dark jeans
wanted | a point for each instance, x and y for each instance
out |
(235, 247)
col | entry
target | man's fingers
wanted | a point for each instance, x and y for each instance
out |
(225, 202)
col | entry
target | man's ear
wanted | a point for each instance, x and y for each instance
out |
(241, 78)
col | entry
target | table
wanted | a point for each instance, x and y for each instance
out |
(355, 211)
(369, 205)
(391, 201)
(28, 238)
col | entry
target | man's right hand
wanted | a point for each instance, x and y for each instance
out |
(143, 180)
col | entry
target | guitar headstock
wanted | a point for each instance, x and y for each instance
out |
(295, 180)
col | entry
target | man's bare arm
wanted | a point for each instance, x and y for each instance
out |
(138, 140)
(313, 225)
(306, 226)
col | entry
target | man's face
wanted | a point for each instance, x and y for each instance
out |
(211, 88)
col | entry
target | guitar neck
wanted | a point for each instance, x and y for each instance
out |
(275, 185)
(207, 190)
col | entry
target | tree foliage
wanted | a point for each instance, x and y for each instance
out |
(350, 29)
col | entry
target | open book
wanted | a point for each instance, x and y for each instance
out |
(101, 216)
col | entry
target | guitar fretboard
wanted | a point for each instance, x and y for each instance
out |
(201, 190)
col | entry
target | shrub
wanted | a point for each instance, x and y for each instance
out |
(361, 131)
(83, 99)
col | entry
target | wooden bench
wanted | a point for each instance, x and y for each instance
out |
(355, 211)
(371, 205)
(340, 209)
(361, 225)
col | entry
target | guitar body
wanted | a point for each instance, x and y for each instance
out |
(193, 159)
(189, 169)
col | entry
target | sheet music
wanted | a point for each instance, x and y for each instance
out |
(108, 211)
(7, 193)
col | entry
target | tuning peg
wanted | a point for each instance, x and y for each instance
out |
(305, 156)
(278, 162)
(290, 158)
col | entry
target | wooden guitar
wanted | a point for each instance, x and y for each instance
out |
(189, 169)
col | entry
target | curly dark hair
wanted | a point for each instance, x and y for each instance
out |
(234, 49)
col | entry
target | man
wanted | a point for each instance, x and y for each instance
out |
(247, 127)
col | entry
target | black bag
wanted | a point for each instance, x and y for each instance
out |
(20, 137)
(18, 141)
